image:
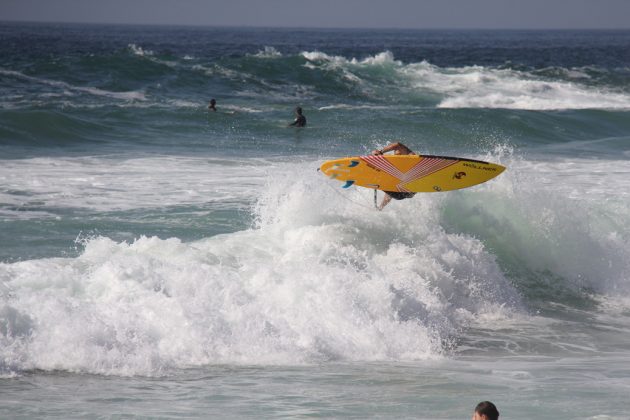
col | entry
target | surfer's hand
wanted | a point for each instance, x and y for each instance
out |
(377, 152)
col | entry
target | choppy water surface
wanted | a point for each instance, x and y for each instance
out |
(158, 259)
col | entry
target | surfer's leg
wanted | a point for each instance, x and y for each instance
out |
(385, 201)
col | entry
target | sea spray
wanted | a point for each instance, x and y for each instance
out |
(320, 280)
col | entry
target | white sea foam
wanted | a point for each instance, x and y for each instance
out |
(346, 66)
(351, 106)
(268, 52)
(562, 218)
(101, 184)
(181, 103)
(150, 55)
(385, 57)
(321, 276)
(238, 108)
(479, 86)
(482, 87)
(573, 73)
(139, 51)
(318, 279)
(221, 71)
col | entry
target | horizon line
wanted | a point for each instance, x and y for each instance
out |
(383, 28)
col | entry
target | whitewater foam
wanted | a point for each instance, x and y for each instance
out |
(268, 52)
(481, 87)
(547, 228)
(150, 55)
(139, 51)
(476, 86)
(102, 184)
(382, 58)
(318, 279)
(350, 106)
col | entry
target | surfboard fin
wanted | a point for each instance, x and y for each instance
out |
(347, 184)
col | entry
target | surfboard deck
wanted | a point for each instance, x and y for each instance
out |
(410, 173)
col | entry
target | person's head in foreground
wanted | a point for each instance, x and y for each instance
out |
(485, 410)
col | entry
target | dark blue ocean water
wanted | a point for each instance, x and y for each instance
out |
(180, 262)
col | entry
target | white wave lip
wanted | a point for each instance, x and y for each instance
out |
(268, 52)
(481, 87)
(150, 55)
(129, 96)
(385, 57)
(139, 51)
(348, 67)
(478, 87)
(349, 106)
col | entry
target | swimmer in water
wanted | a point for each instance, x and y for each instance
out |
(300, 120)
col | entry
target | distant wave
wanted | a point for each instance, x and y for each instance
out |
(268, 52)
(150, 55)
(385, 57)
(479, 86)
(350, 106)
(133, 95)
(269, 75)
(137, 50)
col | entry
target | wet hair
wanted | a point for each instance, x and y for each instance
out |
(488, 409)
(298, 109)
(213, 101)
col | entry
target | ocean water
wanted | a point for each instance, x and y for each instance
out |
(161, 260)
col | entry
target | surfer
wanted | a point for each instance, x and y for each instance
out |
(300, 120)
(212, 106)
(485, 410)
(398, 149)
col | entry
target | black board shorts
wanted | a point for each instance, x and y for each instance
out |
(397, 195)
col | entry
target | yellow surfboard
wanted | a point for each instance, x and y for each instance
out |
(410, 173)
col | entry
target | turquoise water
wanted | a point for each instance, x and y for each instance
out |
(158, 259)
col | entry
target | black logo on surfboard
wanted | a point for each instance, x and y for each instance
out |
(459, 175)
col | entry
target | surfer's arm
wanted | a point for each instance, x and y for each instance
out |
(397, 147)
